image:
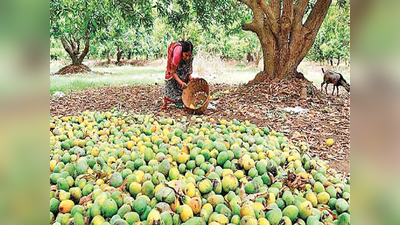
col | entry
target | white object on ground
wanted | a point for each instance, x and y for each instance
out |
(59, 94)
(212, 105)
(296, 109)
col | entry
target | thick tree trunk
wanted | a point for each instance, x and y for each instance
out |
(338, 60)
(284, 38)
(72, 47)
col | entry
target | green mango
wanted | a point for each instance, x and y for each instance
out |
(109, 208)
(124, 209)
(116, 179)
(194, 221)
(274, 216)
(79, 219)
(166, 218)
(344, 219)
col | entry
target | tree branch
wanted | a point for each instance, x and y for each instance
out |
(319, 11)
(276, 7)
(66, 47)
(271, 19)
(85, 51)
(297, 27)
(79, 44)
(286, 18)
(71, 44)
(250, 27)
(312, 25)
(299, 10)
(257, 22)
(247, 2)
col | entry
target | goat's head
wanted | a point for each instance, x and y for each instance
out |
(345, 85)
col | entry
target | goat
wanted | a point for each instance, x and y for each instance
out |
(337, 79)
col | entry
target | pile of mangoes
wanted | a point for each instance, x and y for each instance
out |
(116, 168)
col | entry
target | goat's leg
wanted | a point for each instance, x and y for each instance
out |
(326, 88)
(333, 91)
(322, 85)
(337, 90)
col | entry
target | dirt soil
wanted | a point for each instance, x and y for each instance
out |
(261, 104)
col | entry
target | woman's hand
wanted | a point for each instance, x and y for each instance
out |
(184, 85)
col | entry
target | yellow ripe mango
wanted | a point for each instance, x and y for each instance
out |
(142, 149)
(70, 134)
(53, 164)
(195, 204)
(246, 210)
(130, 144)
(190, 190)
(94, 151)
(175, 205)
(186, 213)
(225, 172)
(263, 221)
(139, 175)
(330, 142)
(98, 220)
(66, 206)
(257, 206)
(185, 149)
(270, 198)
(310, 196)
(154, 217)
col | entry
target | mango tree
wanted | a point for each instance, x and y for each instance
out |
(285, 34)
(111, 36)
(333, 39)
(286, 29)
(77, 22)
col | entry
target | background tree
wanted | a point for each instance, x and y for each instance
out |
(333, 39)
(111, 36)
(76, 22)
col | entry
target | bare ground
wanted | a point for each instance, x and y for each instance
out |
(261, 104)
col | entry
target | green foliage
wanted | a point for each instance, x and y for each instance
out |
(56, 50)
(74, 18)
(333, 40)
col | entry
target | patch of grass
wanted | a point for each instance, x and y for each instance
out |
(124, 75)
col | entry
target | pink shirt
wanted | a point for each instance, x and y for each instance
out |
(177, 54)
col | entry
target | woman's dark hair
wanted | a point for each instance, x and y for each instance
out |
(187, 46)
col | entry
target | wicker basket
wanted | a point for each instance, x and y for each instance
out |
(197, 93)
